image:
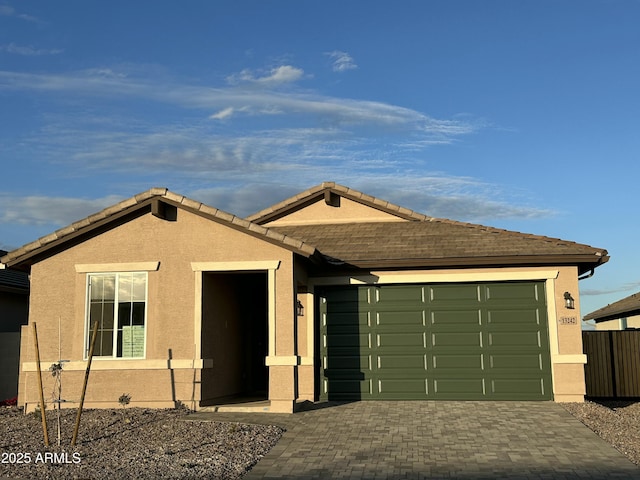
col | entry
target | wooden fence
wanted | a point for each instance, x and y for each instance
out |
(613, 363)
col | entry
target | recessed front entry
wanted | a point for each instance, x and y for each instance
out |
(452, 341)
(234, 335)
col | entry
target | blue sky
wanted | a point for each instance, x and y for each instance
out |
(520, 115)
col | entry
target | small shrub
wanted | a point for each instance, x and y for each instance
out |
(124, 400)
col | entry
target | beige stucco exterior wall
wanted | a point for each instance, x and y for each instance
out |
(305, 334)
(348, 211)
(168, 250)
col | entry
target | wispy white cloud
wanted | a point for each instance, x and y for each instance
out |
(625, 287)
(223, 114)
(239, 166)
(46, 210)
(9, 11)
(342, 61)
(28, 50)
(281, 75)
(245, 191)
(344, 112)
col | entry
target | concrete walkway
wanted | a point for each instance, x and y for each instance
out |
(434, 440)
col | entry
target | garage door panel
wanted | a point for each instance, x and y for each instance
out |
(410, 339)
(459, 386)
(518, 362)
(456, 339)
(457, 362)
(512, 317)
(515, 339)
(397, 319)
(337, 363)
(403, 387)
(522, 386)
(455, 317)
(512, 292)
(346, 340)
(348, 388)
(348, 319)
(453, 293)
(416, 362)
(402, 294)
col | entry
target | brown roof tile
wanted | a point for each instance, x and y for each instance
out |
(626, 307)
(438, 242)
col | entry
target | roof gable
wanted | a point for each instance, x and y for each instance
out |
(333, 203)
(157, 201)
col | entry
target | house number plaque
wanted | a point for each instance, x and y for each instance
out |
(568, 321)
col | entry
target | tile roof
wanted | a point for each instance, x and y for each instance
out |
(144, 199)
(423, 241)
(11, 280)
(439, 243)
(626, 307)
(313, 193)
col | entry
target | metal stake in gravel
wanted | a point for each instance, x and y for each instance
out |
(44, 416)
(84, 386)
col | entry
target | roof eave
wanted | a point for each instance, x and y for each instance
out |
(612, 315)
(22, 258)
(584, 263)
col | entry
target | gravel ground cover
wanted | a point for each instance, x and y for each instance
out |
(616, 422)
(157, 444)
(133, 443)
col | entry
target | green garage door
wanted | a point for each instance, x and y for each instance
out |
(484, 341)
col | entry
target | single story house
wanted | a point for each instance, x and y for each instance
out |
(14, 312)
(621, 315)
(330, 294)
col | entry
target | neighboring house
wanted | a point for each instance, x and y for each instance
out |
(14, 312)
(621, 315)
(330, 294)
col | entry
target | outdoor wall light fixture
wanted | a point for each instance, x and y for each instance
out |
(568, 300)
(299, 309)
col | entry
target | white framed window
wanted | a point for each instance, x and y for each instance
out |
(118, 302)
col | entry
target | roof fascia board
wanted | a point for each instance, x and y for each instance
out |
(152, 205)
(74, 235)
(613, 315)
(584, 262)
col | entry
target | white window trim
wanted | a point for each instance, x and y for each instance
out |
(117, 267)
(87, 327)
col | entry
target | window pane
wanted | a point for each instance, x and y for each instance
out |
(104, 344)
(103, 287)
(137, 318)
(139, 290)
(103, 313)
(124, 315)
(125, 287)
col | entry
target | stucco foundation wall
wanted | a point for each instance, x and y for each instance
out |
(160, 388)
(58, 300)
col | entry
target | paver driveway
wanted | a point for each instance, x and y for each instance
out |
(450, 440)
